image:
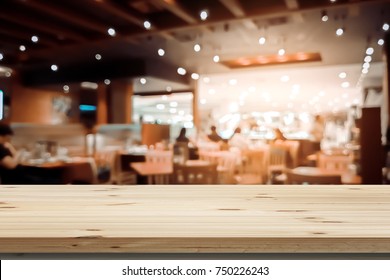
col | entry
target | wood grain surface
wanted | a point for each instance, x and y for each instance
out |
(184, 218)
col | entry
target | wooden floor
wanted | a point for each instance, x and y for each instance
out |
(173, 219)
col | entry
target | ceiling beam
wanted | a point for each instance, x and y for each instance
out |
(176, 9)
(208, 24)
(65, 15)
(237, 10)
(25, 36)
(112, 8)
(49, 29)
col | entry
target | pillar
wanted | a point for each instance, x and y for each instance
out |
(120, 107)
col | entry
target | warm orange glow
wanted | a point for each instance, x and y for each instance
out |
(271, 60)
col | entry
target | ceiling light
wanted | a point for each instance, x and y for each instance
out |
(147, 24)
(216, 58)
(34, 39)
(142, 81)
(173, 104)
(172, 110)
(161, 52)
(381, 42)
(342, 75)
(232, 82)
(262, 40)
(281, 52)
(54, 67)
(181, 71)
(98, 56)
(285, 78)
(324, 16)
(22, 48)
(368, 59)
(366, 65)
(345, 84)
(65, 88)
(197, 48)
(203, 101)
(89, 85)
(370, 51)
(339, 31)
(111, 31)
(206, 80)
(385, 26)
(203, 15)
(160, 106)
(365, 70)
(195, 76)
(211, 91)
(168, 89)
(1, 56)
(107, 81)
(333, 1)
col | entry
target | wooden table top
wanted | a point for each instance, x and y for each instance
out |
(346, 177)
(190, 218)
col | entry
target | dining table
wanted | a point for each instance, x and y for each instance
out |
(347, 178)
(158, 172)
(61, 170)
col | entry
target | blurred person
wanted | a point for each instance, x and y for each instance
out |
(317, 131)
(182, 138)
(213, 136)
(238, 140)
(279, 136)
(10, 170)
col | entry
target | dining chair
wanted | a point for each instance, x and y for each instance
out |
(183, 174)
(106, 161)
(300, 179)
(254, 168)
(226, 166)
(293, 150)
(158, 156)
(277, 159)
(123, 174)
(82, 173)
(337, 162)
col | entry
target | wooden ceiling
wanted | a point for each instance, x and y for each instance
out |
(71, 32)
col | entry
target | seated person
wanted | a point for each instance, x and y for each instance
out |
(213, 136)
(317, 130)
(182, 138)
(279, 135)
(238, 140)
(11, 172)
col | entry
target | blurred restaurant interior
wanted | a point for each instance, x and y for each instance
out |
(97, 92)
